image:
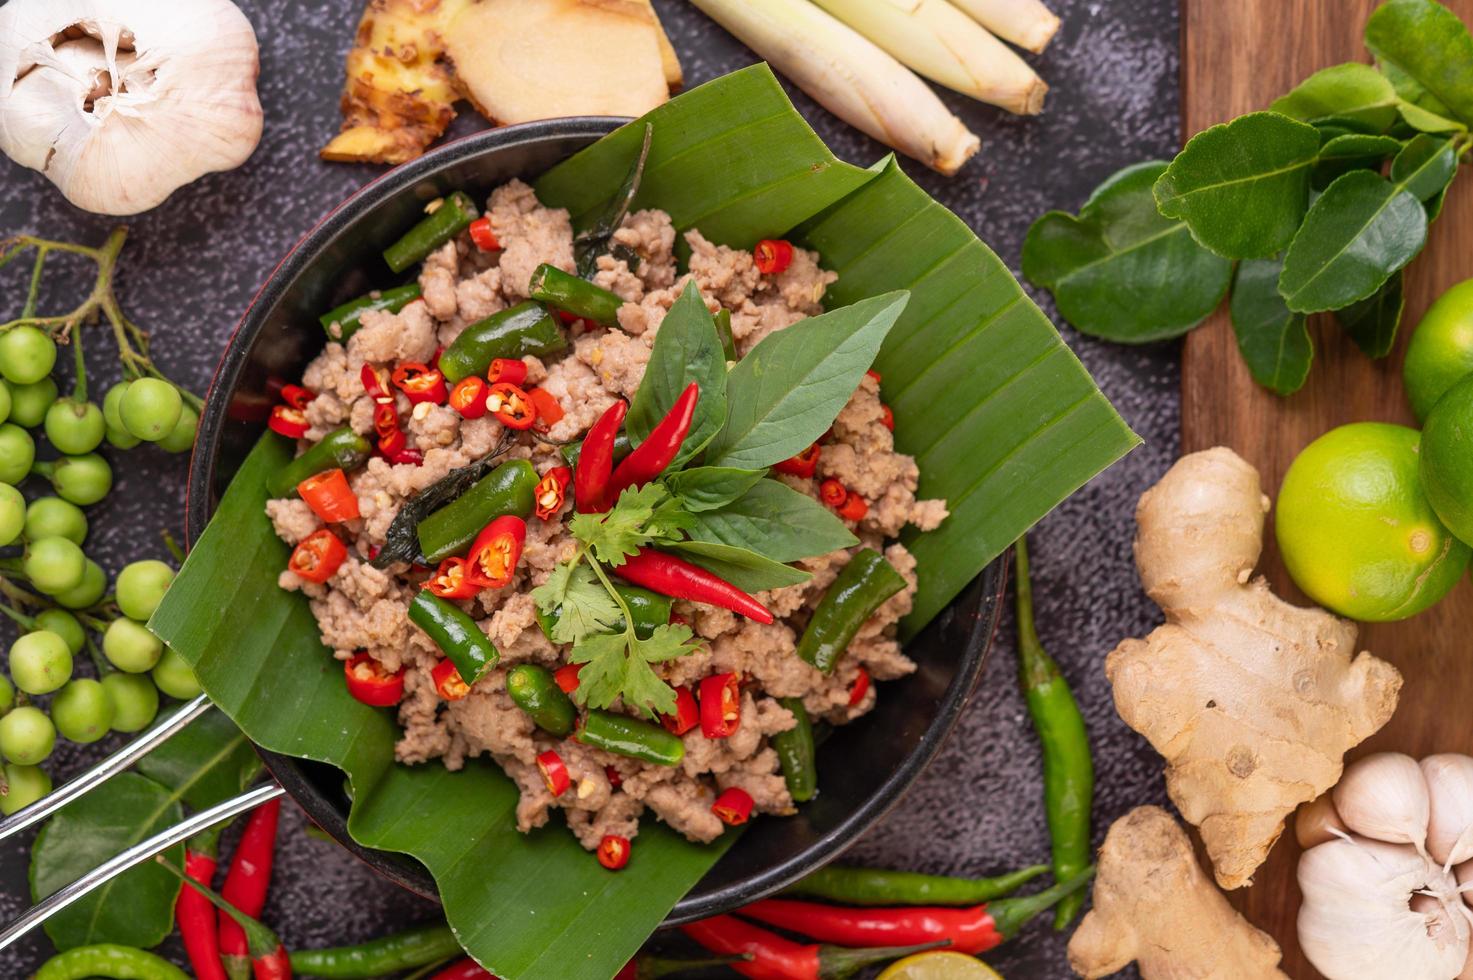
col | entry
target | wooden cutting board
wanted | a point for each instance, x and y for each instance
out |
(1237, 56)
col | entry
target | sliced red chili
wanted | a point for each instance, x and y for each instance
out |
(484, 235)
(854, 508)
(296, 396)
(318, 557)
(549, 409)
(455, 579)
(392, 443)
(833, 493)
(496, 550)
(721, 705)
(507, 370)
(733, 806)
(469, 397)
(566, 677)
(805, 464)
(860, 688)
(290, 422)
(568, 318)
(772, 255)
(613, 851)
(376, 383)
(448, 682)
(420, 383)
(329, 496)
(511, 406)
(554, 772)
(687, 714)
(551, 491)
(872, 373)
(385, 419)
(370, 683)
(887, 417)
(615, 780)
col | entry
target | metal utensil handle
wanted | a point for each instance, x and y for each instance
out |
(135, 855)
(104, 770)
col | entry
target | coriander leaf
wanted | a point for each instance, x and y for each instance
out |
(687, 349)
(604, 668)
(623, 530)
(550, 594)
(1350, 91)
(618, 665)
(789, 389)
(775, 521)
(742, 567)
(708, 487)
(670, 521)
(580, 602)
(1243, 186)
(1372, 323)
(1121, 271)
(1428, 43)
(1273, 340)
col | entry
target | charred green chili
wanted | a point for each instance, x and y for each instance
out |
(455, 633)
(581, 298)
(505, 490)
(649, 609)
(402, 951)
(533, 689)
(527, 328)
(342, 449)
(1068, 771)
(623, 446)
(344, 321)
(861, 588)
(108, 960)
(453, 216)
(624, 735)
(872, 886)
(795, 752)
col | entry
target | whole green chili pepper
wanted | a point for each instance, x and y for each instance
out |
(723, 330)
(623, 735)
(533, 690)
(527, 328)
(453, 216)
(342, 448)
(456, 634)
(505, 490)
(1068, 771)
(862, 587)
(623, 446)
(108, 960)
(344, 321)
(872, 886)
(649, 609)
(796, 753)
(581, 298)
(403, 951)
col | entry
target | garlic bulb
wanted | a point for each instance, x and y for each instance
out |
(1384, 796)
(1450, 792)
(120, 102)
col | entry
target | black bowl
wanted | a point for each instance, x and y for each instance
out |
(865, 767)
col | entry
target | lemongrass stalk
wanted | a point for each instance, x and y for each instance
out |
(939, 41)
(1027, 23)
(850, 76)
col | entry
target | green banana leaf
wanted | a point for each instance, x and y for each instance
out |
(1005, 421)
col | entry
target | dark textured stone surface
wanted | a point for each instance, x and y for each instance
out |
(193, 264)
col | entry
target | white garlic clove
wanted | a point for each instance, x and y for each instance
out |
(1449, 780)
(1385, 797)
(1464, 875)
(1316, 822)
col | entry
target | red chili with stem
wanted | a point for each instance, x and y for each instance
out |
(772, 256)
(370, 683)
(496, 550)
(288, 421)
(777, 958)
(596, 461)
(318, 557)
(266, 957)
(510, 370)
(420, 383)
(649, 458)
(448, 682)
(551, 491)
(196, 916)
(613, 851)
(805, 464)
(721, 705)
(733, 806)
(675, 577)
(687, 714)
(246, 885)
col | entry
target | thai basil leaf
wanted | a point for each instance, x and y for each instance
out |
(789, 389)
(686, 349)
(1273, 340)
(1120, 270)
(1351, 151)
(401, 541)
(1372, 323)
(1345, 92)
(1429, 44)
(1425, 166)
(595, 240)
(777, 521)
(742, 567)
(703, 488)
(208, 762)
(1242, 187)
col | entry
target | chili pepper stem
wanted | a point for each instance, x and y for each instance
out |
(838, 962)
(263, 942)
(1010, 914)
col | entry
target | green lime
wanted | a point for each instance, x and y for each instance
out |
(1447, 459)
(28, 403)
(1441, 351)
(1355, 528)
(150, 408)
(940, 964)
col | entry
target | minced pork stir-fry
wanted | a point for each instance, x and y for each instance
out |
(562, 591)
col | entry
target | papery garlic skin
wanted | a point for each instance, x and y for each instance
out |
(1384, 796)
(120, 102)
(1356, 920)
(1450, 822)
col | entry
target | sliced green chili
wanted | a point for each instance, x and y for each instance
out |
(861, 588)
(342, 449)
(527, 328)
(453, 216)
(108, 960)
(650, 610)
(872, 886)
(623, 446)
(723, 330)
(505, 490)
(343, 322)
(402, 951)
(581, 298)
(795, 753)
(455, 633)
(534, 690)
(623, 735)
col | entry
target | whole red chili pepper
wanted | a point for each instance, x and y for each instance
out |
(650, 457)
(267, 957)
(776, 958)
(804, 464)
(420, 383)
(466, 969)
(508, 370)
(551, 490)
(647, 967)
(496, 550)
(246, 884)
(721, 705)
(196, 916)
(675, 577)
(596, 461)
(969, 930)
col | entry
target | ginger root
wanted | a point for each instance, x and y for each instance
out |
(1253, 702)
(1153, 904)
